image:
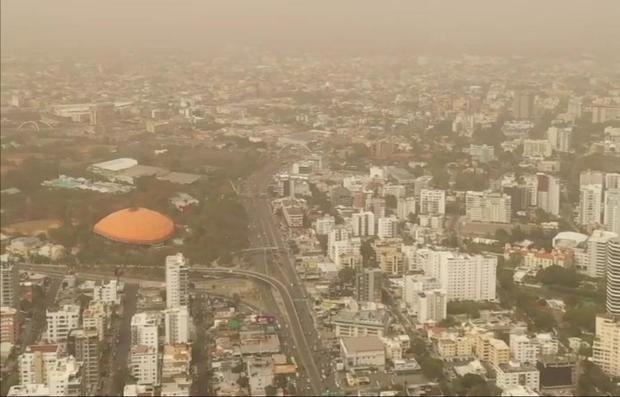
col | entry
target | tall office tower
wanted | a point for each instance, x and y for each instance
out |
(432, 305)
(611, 213)
(462, 276)
(613, 277)
(432, 201)
(84, 346)
(9, 282)
(548, 197)
(177, 281)
(590, 177)
(590, 208)
(387, 227)
(606, 346)
(363, 223)
(404, 207)
(368, 285)
(413, 284)
(523, 105)
(560, 138)
(612, 181)
(177, 324)
(488, 207)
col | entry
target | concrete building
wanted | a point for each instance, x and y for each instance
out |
(34, 362)
(324, 225)
(523, 105)
(362, 352)
(432, 201)
(482, 153)
(558, 372)
(177, 281)
(293, 215)
(368, 283)
(488, 207)
(560, 138)
(491, 350)
(363, 224)
(612, 179)
(613, 277)
(176, 360)
(462, 276)
(145, 329)
(84, 346)
(360, 323)
(29, 390)
(177, 325)
(611, 212)
(515, 374)
(144, 364)
(591, 177)
(432, 306)
(65, 377)
(9, 282)
(548, 193)
(391, 259)
(387, 227)
(590, 204)
(405, 206)
(9, 325)
(413, 284)
(525, 349)
(593, 259)
(60, 322)
(536, 148)
(107, 293)
(96, 317)
(606, 346)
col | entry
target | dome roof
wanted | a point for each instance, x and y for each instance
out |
(135, 226)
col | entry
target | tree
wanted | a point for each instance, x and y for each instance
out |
(431, 367)
(582, 316)
(346, 275)
(243, 382)
(558, 275)
(270, 390)
(369, 256)
(391, 201)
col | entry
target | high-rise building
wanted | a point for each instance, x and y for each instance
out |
(84, 346)
(65, 377)
(523, 105)
(488, 207)
(593, 261)
(590, 209)
(560, 138)
(368, 284)
(177, 281)
(613, 277)
(9, 325)
(432, 201)
(606, 346)
(405, 206)
(363, 223)
(9, 282)
(611, 213)
(145, 329)
(413, 284)
(60, 322)
(144, 364)
(387, 227)
(612, 180)
(177, 325)
(548, 196)
(462, 276)
(432, 305)
(324, 225)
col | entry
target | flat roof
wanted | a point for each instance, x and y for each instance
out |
(362, 344)
(117, 164)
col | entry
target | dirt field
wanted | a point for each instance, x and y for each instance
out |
(488, 229)
(32, 228)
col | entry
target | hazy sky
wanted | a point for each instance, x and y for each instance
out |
(509, 26)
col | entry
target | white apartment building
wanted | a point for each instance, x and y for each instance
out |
(525, 349)
(177, 281)
(29, 390)
(34, 362)
(337, 234)
(409, 257)
(593, 260)
(144, 364)
(177, 325)
(65, 377)
(606, 346)
(612, 180)
(9, 282)
(360, 323)
(95, 317)
(145, 329)
(536, 148)
(613, 277)
(344, 249)
(61, 321)
(482, 153)
(387, 227)
(405, 206)
(413, 284)
(560, 138)
(462, 276)
(363, 223)
(514, 374)
(432, 201)
(611, 213)
(324, 225)
(397, 191)
(107, 293)
(488, 207)
(548, 193)
(590, 204)
(432, 305)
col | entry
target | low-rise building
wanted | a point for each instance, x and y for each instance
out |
(514, 374)
(362, 352)
(360, 323)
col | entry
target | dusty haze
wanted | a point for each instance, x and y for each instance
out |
(488, 26)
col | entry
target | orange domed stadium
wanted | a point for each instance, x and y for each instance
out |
(135, 226)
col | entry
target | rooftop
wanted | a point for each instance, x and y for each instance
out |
(362, 344)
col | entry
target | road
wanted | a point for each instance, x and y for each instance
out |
(280, 264)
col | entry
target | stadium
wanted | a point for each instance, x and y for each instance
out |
(138, 226)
